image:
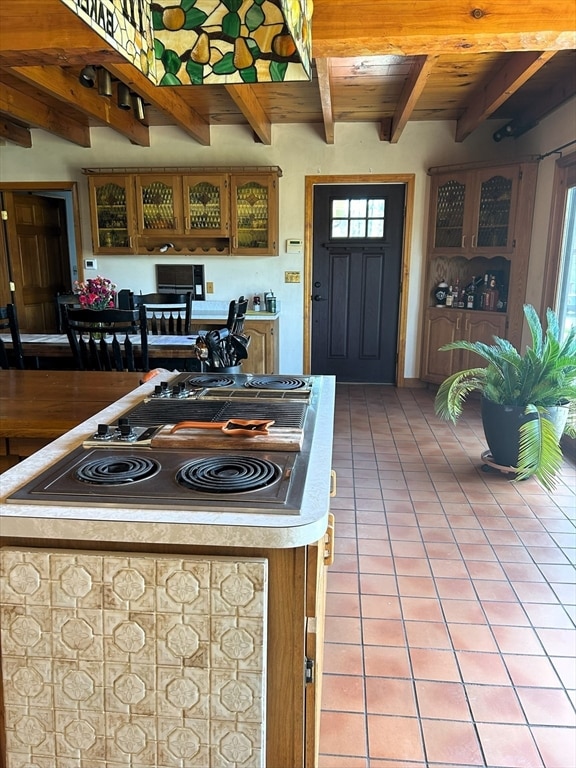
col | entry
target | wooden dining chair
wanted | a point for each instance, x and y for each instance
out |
(103, 340)
(169, 314)
(9, 323)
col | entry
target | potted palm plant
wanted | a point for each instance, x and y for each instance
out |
(528, 401)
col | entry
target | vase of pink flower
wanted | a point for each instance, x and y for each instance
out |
(96, 293)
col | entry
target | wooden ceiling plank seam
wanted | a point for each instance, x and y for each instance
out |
(415, 84)
(518, 70)
(64, 86)
(324, 71)
(16, 134)
(25, 109)
(246, 101)
(166, 100)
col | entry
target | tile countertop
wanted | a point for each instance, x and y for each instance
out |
(170, 526)
(218, 310)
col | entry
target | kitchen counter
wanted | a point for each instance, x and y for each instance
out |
(171, 526)
(218, 310)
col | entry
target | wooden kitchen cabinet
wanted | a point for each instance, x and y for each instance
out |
(254, 199)
(474, 211)
(263, 351)
(480, 223)
(443, 326)
(160, 204)
(113, 214)
(205, 211)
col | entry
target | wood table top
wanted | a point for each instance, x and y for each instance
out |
(46, 404)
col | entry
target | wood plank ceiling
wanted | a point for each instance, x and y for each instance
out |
(385, 62)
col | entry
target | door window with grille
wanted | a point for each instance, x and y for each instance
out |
(361, 218)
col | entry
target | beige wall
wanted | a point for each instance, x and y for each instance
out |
(300, 151)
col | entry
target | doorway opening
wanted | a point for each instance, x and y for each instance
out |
(40, 250)
(356, 270)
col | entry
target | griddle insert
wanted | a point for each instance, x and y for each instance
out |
(155, 413)
(117, 470)
(228, 474)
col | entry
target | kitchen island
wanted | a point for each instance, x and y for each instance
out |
(277, 563)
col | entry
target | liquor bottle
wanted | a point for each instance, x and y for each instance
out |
(471, 294)
(449, 297)
(492, 295)
(484, 292)
(456, 293)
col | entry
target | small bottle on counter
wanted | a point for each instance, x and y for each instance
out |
(256, 303)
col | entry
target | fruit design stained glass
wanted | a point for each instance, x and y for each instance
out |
(200, 42)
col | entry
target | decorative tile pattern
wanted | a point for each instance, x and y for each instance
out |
(117, 661)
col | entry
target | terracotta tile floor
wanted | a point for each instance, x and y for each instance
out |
(451, 603)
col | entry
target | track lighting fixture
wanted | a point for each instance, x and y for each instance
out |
(87, 76)
(104, 82)
(124, 100)
(138, 107)
(503, 133)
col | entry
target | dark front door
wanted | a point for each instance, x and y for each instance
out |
(357, 258)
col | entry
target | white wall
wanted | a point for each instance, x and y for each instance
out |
(300, 151)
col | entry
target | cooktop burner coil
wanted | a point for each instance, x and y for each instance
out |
(274, 382)
(211, 380)
(228, 474)
(117, 471)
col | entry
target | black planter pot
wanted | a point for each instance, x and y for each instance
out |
(227, 369)
(502, 428)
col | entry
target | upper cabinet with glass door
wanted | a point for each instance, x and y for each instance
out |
(112, 213)
(474, 211)
(254, 200)
(206, 209)
(159, 204)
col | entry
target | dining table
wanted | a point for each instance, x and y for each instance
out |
(37, 406)
(57, 345)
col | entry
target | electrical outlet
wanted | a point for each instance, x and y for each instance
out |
(291, 277)
(209, 287)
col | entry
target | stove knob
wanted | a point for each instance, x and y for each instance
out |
(125, 429)
(176, 391)
(182, 386)
(164, 385)
(102, 432)
(158, 390)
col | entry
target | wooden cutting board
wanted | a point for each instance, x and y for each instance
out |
(277, 439)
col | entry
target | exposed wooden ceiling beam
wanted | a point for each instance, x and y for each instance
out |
(323, 70)
(14, 133)
(25, 109)
(64, 86)
(556, 96)
(519, 69)
(368, 28)
(246, 101)
(413, 87)
(165, 99)
(48, 33)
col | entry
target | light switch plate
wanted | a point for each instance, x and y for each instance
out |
(90, 264)
(293, 246)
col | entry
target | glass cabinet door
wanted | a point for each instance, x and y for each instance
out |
(206, 204)
(254, 203)
(159, 201)
(112, 211)
(451, 214)
(493, 222)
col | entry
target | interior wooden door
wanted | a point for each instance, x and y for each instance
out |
(39, 257)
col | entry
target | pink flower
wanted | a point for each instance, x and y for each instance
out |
(96, 293)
